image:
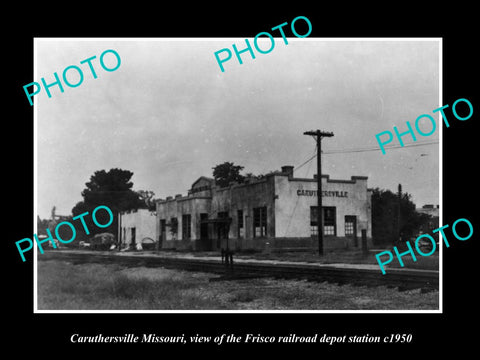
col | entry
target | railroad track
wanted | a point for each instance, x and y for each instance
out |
(403, 279)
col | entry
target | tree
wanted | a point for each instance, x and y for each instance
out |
(251, 177)
(42, 225)
(388, 223)
(226, 173)
(65, 233)
(112, 189)
(146, 196)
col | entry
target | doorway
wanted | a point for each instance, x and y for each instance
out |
(204, 242)
(163, 232)
(133, 237)
(351, 228)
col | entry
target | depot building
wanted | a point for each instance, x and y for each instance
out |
(278, 211)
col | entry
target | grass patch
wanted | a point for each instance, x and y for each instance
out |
(64, 286)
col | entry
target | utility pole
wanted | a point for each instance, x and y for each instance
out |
(399, 215)
(318, 136)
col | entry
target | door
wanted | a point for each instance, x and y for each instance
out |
(205, 243)
(222, 230)
(351, 228)
(133, 237)
(163, 232)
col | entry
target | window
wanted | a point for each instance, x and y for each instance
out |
(260, 221)
(173, 227)
(163, 225)
(241, 231)
(329, 224)
(313, 220)
(350, 222)
(186, 226)
(348, 228)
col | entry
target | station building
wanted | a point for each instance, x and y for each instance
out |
(278, 211)
(137, 229)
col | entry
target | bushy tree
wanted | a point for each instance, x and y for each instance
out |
(394, 218)
(111, 188)
(42, 225)
(226, 173)
(146, 196)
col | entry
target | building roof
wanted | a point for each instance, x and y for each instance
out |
(286, 171)
(203, 178)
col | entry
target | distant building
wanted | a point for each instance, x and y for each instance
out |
(429, 210)
(137, 229)
(433, 222)
(276, 211)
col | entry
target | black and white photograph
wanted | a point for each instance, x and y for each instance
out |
(225, 181)
(211, 176)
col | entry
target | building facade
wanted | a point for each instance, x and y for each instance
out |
(276, 211)
(137, 229)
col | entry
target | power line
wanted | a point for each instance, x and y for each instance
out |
(378, 149)
(346, 151)
(308, 160)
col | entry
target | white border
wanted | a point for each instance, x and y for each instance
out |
(440, 173)
(35, 289)
(35, 190)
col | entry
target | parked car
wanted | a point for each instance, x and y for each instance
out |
(48, 244)
(102, 241)
(425, 245)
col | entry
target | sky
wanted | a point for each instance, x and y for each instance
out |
(169, 114)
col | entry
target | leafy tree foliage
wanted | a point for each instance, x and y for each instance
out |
(42, 225)
(111, 188)
(394, 218)
(226, 173)
(146, 196)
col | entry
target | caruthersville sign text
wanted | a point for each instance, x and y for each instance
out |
(302, 192)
